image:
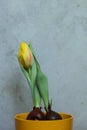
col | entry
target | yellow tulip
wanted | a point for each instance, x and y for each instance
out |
(25, 55)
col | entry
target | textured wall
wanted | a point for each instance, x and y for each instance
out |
(58, 30)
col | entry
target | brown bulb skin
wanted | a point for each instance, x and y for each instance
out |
(36, 114)
(52, 115)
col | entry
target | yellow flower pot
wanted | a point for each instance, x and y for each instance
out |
(22, 124)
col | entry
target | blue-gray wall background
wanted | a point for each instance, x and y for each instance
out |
(58, 31)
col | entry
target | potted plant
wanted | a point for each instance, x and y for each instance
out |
(38, 83)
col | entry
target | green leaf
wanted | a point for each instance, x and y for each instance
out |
(25, 72)
(35, 93)
(33, 73)
(31, 81)
(42, 82)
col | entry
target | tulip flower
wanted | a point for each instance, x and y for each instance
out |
(28, 67)
(25, 55)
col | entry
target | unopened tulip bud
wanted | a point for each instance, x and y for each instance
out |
(25, 55)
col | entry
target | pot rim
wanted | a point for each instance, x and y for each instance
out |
(18, 117)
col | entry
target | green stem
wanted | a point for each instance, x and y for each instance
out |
(31, 77)
(37, 98)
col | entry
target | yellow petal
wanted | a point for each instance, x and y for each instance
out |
(25, 55)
